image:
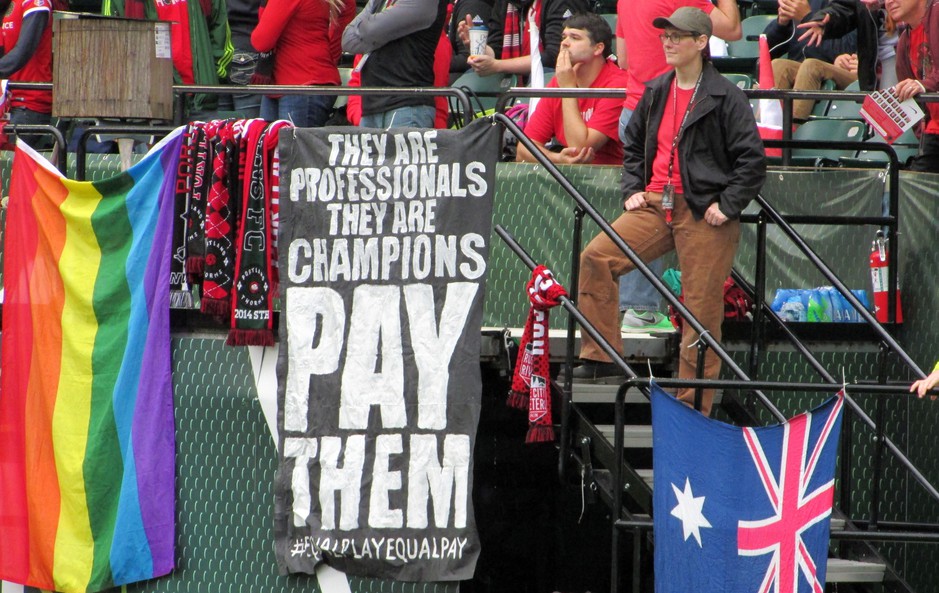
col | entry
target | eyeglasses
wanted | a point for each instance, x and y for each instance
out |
(675, 37)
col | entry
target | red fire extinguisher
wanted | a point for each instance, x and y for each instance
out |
(879, 279)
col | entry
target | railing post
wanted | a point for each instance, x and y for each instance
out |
(576, 239)
(699, 372)
(759, 292)
(879, 419)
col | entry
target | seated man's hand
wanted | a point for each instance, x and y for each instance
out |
(846, 62)
(483, 65)
(814, 31)
(564, 71)
(793, 9)
(713, 215)
(576, 156)
(635, 201)
(908, 88)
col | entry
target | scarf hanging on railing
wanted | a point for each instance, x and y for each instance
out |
(252, 311)
(272, 189)
(205, 142)
(531, 380)
(221, 218)
(180, 295)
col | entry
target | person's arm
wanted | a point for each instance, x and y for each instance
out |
(576, 132)
(745, 149)
(779, 36)
(922, 387)
(633, 178)
(272, 21)
(371, 30)
(931, 78)
(725, 20)
(567, 156)
(220, 37)
(622, 57)
(30, 35)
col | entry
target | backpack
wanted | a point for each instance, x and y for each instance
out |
(737, 304)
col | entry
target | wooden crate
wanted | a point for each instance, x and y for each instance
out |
(111, 67)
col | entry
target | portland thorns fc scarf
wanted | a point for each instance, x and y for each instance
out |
(252, 315)
(221, 217)
(531, 381)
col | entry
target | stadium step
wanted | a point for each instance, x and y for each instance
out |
(655, 348)
(635, 436)
(854, 571)
(605, 393)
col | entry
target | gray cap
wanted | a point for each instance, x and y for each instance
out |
(686, 18)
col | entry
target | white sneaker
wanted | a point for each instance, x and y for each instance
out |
(648, 322)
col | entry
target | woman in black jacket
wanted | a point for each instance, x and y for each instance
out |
(693, 161)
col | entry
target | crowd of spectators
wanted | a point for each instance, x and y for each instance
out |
(872, 44)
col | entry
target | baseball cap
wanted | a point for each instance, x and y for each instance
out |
(686, 18)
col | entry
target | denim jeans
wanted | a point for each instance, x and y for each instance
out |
(23, 116)
(414, 116)
(635, 291)
(305, 111)
(240, 71)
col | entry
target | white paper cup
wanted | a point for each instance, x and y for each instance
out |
(477, 40)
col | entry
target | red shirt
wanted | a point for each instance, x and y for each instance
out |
(671, 121)
(306, 47)
(601, 115)
(39, 67)
(919, 51)
(643, 48)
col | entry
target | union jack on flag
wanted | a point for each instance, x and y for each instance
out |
(742, 509)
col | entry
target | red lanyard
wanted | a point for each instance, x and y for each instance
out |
(668, 192)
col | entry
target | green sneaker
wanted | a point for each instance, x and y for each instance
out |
(646, 322)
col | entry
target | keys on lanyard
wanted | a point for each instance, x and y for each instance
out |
(668, 202)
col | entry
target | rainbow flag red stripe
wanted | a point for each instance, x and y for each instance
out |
(87, 444)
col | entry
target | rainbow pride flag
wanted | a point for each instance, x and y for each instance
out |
(87, 443)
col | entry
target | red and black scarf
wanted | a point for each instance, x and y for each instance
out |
(252, 314)
(515, 38)
(222, 216)
(531, 381)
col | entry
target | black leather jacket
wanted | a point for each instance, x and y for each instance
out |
(721, 156)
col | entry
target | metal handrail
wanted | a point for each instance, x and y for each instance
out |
(273, 89)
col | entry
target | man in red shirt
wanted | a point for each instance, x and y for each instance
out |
(27, 57)
(586, 127)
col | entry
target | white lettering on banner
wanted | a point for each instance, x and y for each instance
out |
(444, 484)
(315, 323)
(433, 346)
(316, 320)
(347, 480)
(380, 513)
(407, 181)
(387, 258)
(369, 377)
(398, 549)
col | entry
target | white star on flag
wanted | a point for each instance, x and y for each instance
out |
(689, 512)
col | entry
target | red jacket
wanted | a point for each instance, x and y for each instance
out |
(306, 45)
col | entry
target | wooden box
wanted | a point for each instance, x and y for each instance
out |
(111, 67)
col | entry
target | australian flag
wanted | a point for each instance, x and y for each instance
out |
(742, 509)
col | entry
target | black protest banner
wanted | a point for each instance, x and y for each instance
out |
(383, 256)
